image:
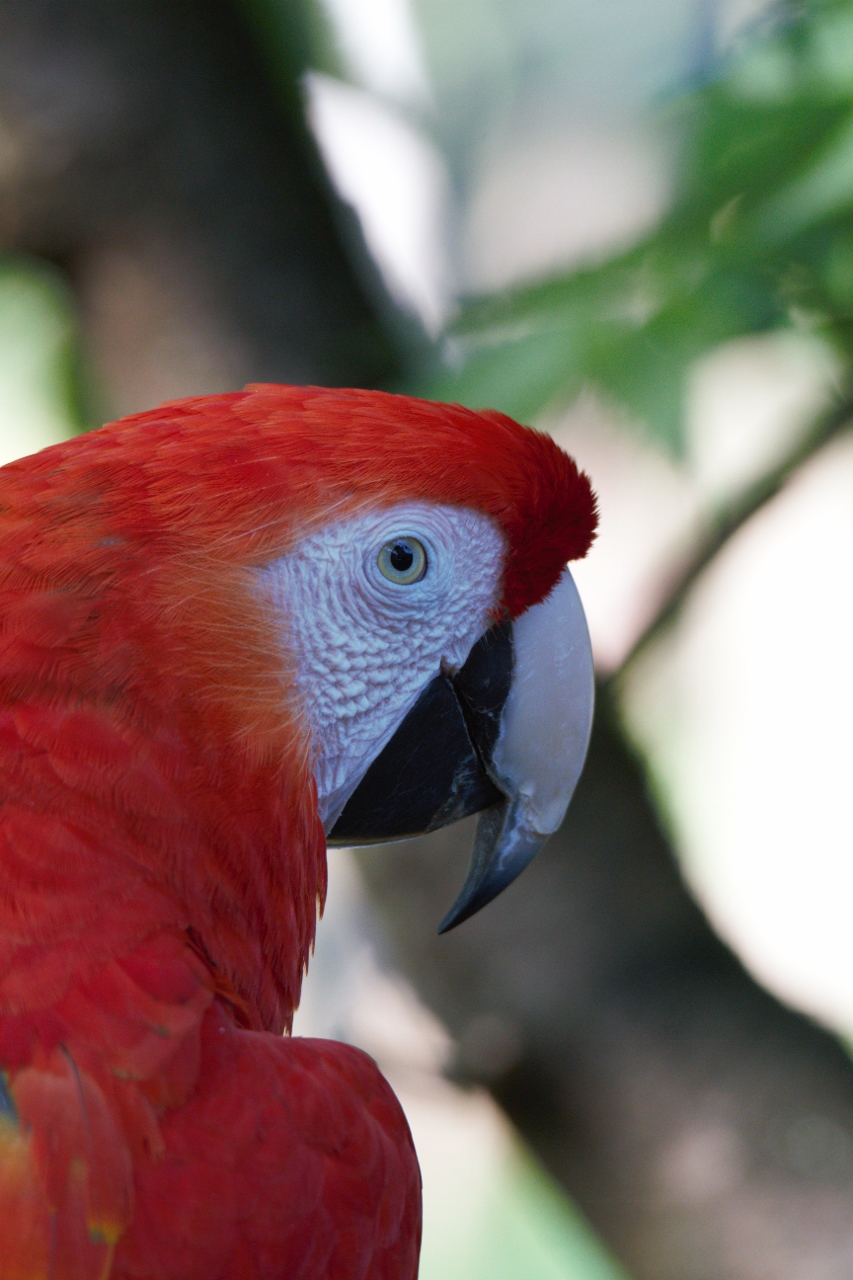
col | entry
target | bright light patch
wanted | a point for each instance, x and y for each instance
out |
(650, 513)
(554, 201)
(35, 340)
(379, 43)
(748, 402)
(394, 178)
(745, 714)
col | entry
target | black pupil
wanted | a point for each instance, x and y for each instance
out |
(402, 557)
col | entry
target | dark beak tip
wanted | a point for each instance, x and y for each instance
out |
(461, 911)
(472, 900)
(502, 850)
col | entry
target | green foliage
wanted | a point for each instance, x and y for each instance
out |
(521, 1228)
(758, 236)
(39, 359)
(292, 36)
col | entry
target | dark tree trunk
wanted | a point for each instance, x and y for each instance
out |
(143, 148)
(706, 1130)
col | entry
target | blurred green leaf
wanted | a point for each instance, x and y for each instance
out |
(759, 236)
(39, 375)
(525, 1229)
(293, 37)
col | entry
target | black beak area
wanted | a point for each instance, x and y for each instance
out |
(435, 769)
(505, 737)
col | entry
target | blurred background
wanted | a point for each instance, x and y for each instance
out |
(629, 223)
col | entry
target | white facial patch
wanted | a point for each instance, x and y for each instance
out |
(365, 646)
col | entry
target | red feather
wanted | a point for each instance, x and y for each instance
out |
(161, 856)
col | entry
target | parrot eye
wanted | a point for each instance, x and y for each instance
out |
(403, 561)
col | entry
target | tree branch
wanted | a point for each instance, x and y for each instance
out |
(731, 516)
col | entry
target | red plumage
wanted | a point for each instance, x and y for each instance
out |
(161, 856)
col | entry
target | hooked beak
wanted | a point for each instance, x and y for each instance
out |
(506, 737)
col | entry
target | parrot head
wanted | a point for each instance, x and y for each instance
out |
(441, 651)
(305, 611)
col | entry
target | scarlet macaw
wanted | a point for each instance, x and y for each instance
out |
(227, 624)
